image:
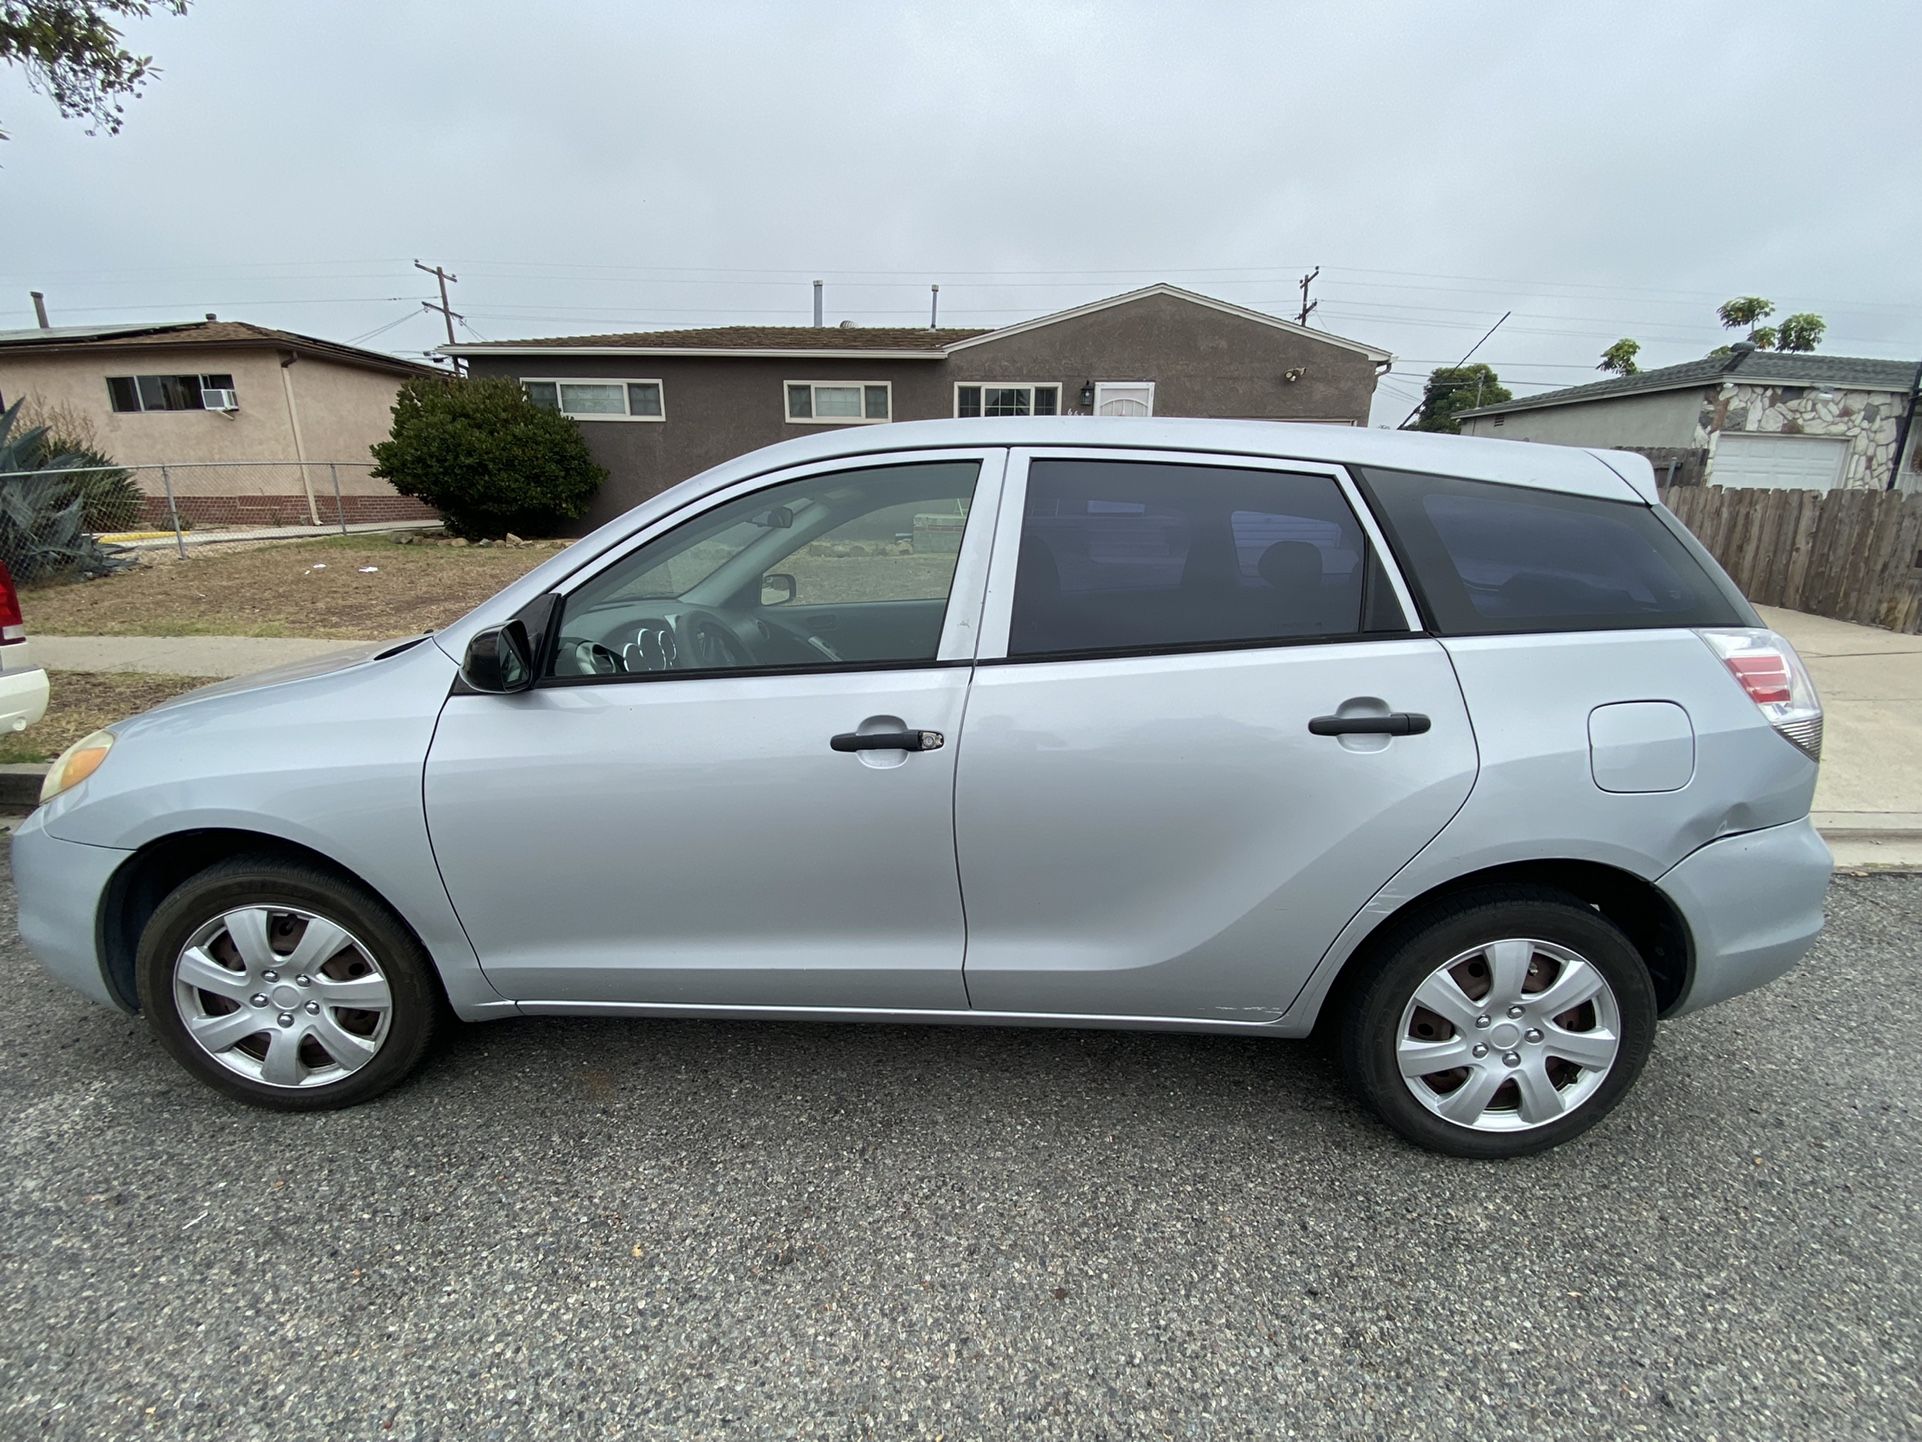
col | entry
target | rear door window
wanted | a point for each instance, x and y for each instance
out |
(1488, 558)
(1140, 555)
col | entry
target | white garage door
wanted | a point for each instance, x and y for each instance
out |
(1783, 463)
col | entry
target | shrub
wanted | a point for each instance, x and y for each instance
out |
(43, 531)
(110, 501)
(487, 458)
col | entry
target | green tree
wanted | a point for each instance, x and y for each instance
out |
(1454, 389)
(1619, 359)
(1800, 332)
(487, 458)
(72, 54)
(1744, 310)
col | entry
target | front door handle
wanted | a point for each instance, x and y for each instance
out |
(888, 741)
(1395, 723)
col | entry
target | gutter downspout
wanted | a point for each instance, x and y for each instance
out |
(1902, 432)
(300, 446)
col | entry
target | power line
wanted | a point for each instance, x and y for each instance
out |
(1462, 362)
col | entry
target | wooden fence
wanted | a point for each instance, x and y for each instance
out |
(1853, 555)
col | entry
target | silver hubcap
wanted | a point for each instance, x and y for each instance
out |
(282, 996)
(1509, 1036)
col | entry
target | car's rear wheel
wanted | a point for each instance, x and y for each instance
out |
(1500, 1024)
(286, 986)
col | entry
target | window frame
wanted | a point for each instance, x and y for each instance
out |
(864, 419)
(201, 387)
(997, 614)
(622, 381)
(961, 623)
(1029, 386)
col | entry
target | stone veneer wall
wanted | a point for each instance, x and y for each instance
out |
(1868, 420)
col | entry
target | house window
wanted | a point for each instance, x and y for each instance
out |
(1007, 398)
(169, 393)
(839, 403)
(594, 400)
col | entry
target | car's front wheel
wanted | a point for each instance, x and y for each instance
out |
(286, 986)
(1499, 1024)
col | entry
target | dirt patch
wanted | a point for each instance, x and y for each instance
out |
(303, 588)
(79, 702)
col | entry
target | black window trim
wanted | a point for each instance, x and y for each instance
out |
(1375, 545)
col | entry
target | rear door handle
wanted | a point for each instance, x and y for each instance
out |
(888, 741)
(1395, 723)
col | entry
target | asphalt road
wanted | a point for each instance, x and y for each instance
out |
(601, 1230)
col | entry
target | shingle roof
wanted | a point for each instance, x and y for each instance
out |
(751, 337)
(204, 332)
(1760, 367)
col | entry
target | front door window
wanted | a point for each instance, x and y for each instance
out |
(838, 569)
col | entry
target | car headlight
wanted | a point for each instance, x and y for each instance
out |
(76, 764)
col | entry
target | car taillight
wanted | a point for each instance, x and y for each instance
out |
(1767, 668)
(13, 626)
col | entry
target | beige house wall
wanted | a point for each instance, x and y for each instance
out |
(313, 410)
(343, 411)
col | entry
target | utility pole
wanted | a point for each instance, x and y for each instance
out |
(1308, 306)
(450, 316)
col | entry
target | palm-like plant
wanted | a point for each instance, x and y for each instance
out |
(43, 498)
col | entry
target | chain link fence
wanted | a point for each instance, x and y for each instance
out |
(81, 522)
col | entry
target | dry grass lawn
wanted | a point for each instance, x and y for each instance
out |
(304, 588)
(79, 702)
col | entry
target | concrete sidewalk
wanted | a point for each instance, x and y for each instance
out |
(1869, 800)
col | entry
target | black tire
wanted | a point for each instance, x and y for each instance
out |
(1372, 1024)
(416, 1000)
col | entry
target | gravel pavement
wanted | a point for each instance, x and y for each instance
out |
(685, 1229)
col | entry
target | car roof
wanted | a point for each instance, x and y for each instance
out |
(1610, 475)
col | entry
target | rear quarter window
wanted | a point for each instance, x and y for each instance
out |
(1487, 558)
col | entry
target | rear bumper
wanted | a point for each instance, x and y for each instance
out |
(1753, 904)
(23, 691)
(60, 886)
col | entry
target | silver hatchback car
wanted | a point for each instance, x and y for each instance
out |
(1464, 750)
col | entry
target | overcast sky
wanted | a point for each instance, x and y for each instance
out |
(1599, 170)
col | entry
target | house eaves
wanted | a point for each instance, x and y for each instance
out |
(1753, 368)
(507, 348)
(1380, 357)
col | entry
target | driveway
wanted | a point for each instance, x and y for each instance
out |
(690, 1229)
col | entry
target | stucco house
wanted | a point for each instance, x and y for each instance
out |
(184, 394)
(660, 406)
(1748, 419)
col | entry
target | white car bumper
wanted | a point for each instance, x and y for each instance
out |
(23, 689)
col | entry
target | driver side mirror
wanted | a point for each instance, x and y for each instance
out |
(778, 588)
(500, 660)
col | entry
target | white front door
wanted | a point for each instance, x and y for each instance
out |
(1751, 460)
(1124, 398)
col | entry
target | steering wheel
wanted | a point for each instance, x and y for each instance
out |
(711, 646)
(577, 657)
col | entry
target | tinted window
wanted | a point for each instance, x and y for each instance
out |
(1491, 558)
(1125, 555)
